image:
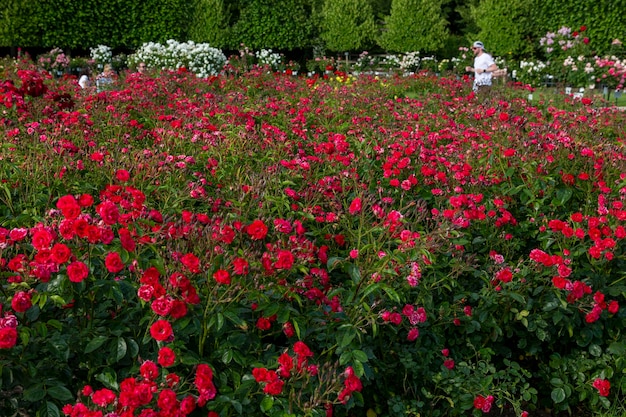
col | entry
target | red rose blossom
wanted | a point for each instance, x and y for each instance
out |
(161, 330)
(77, 271)
(257, 230)
(8, 337)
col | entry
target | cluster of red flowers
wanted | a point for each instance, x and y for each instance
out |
(603, 386)
(275, 380)
(414, 316)
(483, 403)
(152, 394)
(8, 330)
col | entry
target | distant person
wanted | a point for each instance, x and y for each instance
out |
(84, 78)
(483, 69)
(105, 80)
(141, 68)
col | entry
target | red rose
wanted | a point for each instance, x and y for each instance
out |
(103, 397)
(240, 266)
(149, 370)
(263, 323)
(603, 386)
(192, 262)
(222, 277)
(167, 357)
(355, 206)
(42, 239)
(8, 337)
(302, 349)
(77, 271)
(126, 239)
(85, 200)
(60, 253)
(274, 388)
(69, 207)
(257, 230)
(113, 262)
(161, 330)
(122, 175)
(162, 306)
(21, 301)
(285, 260)
(178, 310)
(167, 400)
(109, 212)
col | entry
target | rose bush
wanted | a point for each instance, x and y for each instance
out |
(261, 244)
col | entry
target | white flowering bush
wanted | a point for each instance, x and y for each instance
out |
(390, 62)
(430, 64)
(410, 61)
(266, 57)
(200, 59)
(101, 54)
(530, 72)
(579, 71)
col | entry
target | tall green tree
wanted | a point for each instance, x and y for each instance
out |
(347, 25)
(19, 23)
(415, 25)
(507, 27)
(210, 23)
(276, 24)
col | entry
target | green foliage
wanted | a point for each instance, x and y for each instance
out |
(347, 25)
(20, 23)
(604, 19)
(210, 23)
(172, 21)
(506, 27)
(415, 25)
(279, 24)
(84, 24)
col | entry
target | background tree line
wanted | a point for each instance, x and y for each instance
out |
(508, 27)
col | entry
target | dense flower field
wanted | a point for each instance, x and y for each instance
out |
(263, 244)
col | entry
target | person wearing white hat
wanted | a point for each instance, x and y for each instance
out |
(483, 68)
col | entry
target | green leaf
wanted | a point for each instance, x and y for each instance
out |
(558, 395)
(359, 355)
(51, 410)
(557, 382)
(358, 368)
(234, 318)
(220, 321)
(347, 337)
(595, 350)
(267, 403)
(354, 273)
(333, 262)
(616, 348)
(227, 356)
(237, 406)
(59, 392)
(392, 294)
(120, 349)
(95, 343)
(34, 393)
(133, 347)
(370, 289)
(108, 378)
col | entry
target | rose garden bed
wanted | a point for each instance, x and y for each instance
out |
(263, 244)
